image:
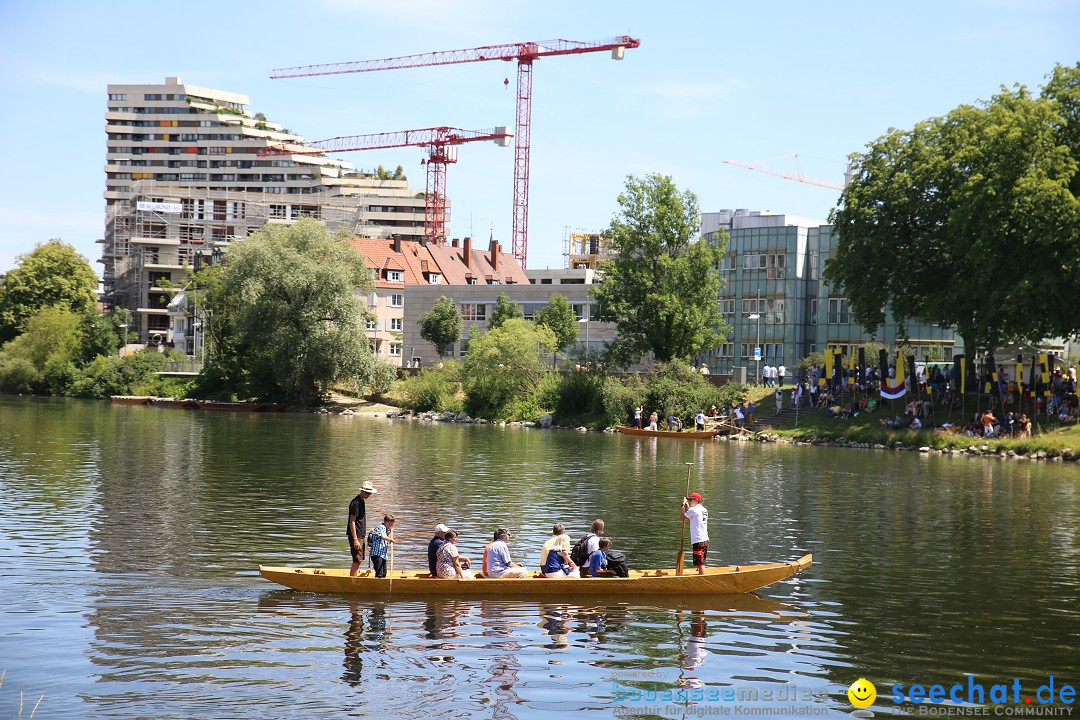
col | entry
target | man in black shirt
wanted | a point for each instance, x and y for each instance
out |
(356, 527)
(433, 546)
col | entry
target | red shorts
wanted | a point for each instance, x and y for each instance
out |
(701, 549)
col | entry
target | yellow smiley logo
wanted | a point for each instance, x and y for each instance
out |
(862, 693)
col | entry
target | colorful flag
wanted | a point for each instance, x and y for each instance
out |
(893, 388)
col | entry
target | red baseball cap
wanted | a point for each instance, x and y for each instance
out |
(695, 496)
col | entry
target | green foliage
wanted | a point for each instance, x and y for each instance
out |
(504, 368)
(505, 309)
(663, 284)
(434, 389)
(674, 388)
(284, 314)
(558, 316)
(970, 220)
(816, 359)
(49, 345)
(442, 325)
(53, 274)
(18, 375)
(576, 394)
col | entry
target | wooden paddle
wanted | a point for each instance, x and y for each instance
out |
(679, 560)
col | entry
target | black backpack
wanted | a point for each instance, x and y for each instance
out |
(580, 552)
(616, 562)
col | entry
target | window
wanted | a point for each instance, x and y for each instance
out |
(397, 300)
(745, 349)
(463, 348)
(813, 266)
(472, 281)
(579, 310)
(753, 305)
(754, 261)
(776, 267)
(371, 323)
(813, 311)
(395, 349)
(545, 281)
(395, 276)
(727, 263)
(118, 96)
(727, 307)
(434, 279)
(395, 324)
(474, 311)
(838, 311)
(774, 310)
(726, 350)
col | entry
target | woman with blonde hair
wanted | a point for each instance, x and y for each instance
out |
(555, 559)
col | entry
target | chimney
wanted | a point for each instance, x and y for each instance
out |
(397, 243)
(495, 254)
(454, 242)
(466, 251)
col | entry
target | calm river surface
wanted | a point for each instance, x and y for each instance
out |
(130, 539)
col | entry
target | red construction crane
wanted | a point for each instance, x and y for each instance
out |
(525, 53)
(441, 145)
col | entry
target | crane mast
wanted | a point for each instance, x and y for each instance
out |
(524, 53)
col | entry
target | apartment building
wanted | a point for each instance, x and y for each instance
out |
(186, 173)
(404, 270)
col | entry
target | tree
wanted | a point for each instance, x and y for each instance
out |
(505, 309)
(663, 285)
(53, 274)
(504, 367)
(965, 221)
(42, 359)
(442, 325)
(558, 316)
(297, 314)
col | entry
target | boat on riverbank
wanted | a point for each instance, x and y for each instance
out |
(719, 580)
(684, 435)
(130, 399)
(228, 406)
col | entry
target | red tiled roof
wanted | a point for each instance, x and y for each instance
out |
(379, 255)
(451, 261)
(415, 260)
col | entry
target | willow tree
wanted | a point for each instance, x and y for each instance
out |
(969, 221)
(294, 291)
(663, 286)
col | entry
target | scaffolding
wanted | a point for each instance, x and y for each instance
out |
(584, 250)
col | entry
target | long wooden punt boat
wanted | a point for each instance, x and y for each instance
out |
(684, 435)
(228, 406)
(719, 580)
(130, 399)
(186, 403)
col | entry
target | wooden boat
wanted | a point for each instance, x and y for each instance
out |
(719, 580)
(684, 435)
(186, 403)
(130, 399)
(228, 406)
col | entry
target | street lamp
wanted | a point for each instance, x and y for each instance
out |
(757, 345)
(586, 321)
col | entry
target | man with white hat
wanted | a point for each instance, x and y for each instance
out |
(356, 527)
(433, 546)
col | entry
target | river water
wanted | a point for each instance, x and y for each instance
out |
(130, 539)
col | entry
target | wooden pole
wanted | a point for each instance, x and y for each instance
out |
(391, 565)
(680, 560)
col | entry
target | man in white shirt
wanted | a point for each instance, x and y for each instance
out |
(781, 371)
(695, 512)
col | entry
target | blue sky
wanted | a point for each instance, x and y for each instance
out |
(711, 81)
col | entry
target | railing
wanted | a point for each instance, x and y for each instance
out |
(182, 366)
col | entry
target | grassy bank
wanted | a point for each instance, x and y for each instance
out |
(814, 426)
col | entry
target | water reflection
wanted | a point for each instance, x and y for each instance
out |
(129, 539)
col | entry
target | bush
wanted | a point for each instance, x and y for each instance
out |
(18, 375)
(576, 394)
(433, 389)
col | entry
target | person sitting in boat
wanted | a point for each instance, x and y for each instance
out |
(451, 563)
(653, 419)
(555, 559)
(497, 562)
(674, 424)
(598, 561)
(381, 537)
(433, 546)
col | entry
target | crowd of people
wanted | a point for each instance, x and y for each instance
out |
(592, 556)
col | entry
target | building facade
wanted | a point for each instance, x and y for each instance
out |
(187, 171)
(775, 299)
(476, 303)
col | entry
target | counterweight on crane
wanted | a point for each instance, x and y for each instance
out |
(441, 145)
(524, 53)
